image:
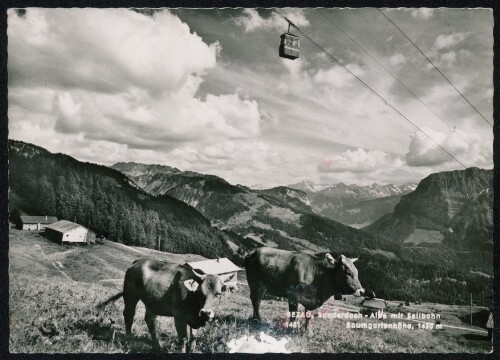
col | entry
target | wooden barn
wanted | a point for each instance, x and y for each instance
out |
(35, 222)
(65, 231)
(222, 266)
(372, 305)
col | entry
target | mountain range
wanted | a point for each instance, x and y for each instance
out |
(278, 217)
(434, 245)
(351, 204)
(286, 217)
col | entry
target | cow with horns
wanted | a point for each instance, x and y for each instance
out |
(302, 278)
(171, 290)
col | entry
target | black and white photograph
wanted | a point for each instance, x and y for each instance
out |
(250, 180)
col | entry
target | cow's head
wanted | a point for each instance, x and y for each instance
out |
(345, 275)
(206, 290)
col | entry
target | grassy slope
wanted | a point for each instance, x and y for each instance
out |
(53, 291)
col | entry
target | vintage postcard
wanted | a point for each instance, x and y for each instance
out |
(250, 180)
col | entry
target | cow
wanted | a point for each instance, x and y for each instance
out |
(302, 278)
(171, 290)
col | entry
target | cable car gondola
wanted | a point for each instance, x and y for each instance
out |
(289, 45)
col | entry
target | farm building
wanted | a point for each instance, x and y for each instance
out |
(222, 266)
(65, 231)
(369, 306)
(35, 222)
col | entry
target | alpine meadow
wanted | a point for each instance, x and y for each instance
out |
(250, 180)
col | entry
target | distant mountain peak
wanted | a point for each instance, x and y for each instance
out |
(308, 186)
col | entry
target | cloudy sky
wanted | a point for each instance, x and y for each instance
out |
(205, 90)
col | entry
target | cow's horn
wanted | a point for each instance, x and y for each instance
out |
(330, 258)
(201, 276)
(227, 278)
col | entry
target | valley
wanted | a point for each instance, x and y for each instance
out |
(205, 215)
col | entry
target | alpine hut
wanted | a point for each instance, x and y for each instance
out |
(65, 231)
(35, 222)
(222, 266)
(372, 305)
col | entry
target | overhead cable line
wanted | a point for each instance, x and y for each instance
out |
(383, 67)
(388, 71)
(373, 91)
(435, 67)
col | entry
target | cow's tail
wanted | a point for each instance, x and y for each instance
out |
(113, 298)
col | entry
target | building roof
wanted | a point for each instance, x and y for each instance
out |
(38, 219)
(214, 266)
(374, 303)
(63, 226)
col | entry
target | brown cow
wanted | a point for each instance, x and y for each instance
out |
(302, 278)
(171, 290)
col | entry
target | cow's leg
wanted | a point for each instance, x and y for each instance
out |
(293, 307)
(256, 295)
(150, 318)
(182, 332)
(308, 318)
(293, 303)
(192, 339)
(129, 311)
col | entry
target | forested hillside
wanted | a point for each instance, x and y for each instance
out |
(110, 204)
(103, 199)
(365, 212)
(403, 279)
(447, 219)
(278, 217)
(282, 217)
(453, 208)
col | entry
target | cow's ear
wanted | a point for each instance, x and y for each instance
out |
(354, 259)
(229, 287)
(330, 259)
(191, 284)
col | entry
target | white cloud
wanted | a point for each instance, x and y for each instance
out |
(469, 148)
(104, 50)
(256, 161)
(252, 21)
(449, 48)
(357, 161)
(397, 59)
(422, 13)
(337, 76)
(119, 76)
(240, 118)
(443, 99)
(444, 41)
(122, 86)
(295, 67)
(449, 58)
